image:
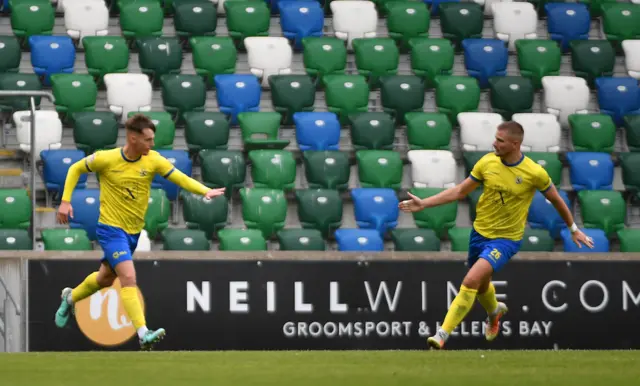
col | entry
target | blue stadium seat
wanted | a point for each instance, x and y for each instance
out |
(600, 241)
(618, 96)
(300, 19)
(591, 171)
(182, 162)
(542, 214)
(237, 93)
(567, 22)
(52, 55)
(485, 58)
(375, 208)
(86, 211)
(317, 131)
(56, 164)
(354, 239)
(434, 5)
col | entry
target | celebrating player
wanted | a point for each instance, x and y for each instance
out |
(125, 184)
(510, 180)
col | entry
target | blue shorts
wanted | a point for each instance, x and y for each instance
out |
(496, 251)
(118, 245)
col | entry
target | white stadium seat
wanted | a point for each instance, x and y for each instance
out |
(48, 130)
(632, 56)
(89, 18)
(268, 55)
(565, 95)
(487, 4)
(354, 19)
(513, 21)
(541, 132)
(144, 243)
(432, 168)
(61, 5)
(127, 93)
(478, 130)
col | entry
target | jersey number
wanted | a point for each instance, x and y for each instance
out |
(131, 191)
(495, 254)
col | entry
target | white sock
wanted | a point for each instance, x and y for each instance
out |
(442, 334)
(141, 331)
(69, 299)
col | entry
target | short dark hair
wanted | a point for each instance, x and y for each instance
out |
(514, 129)
(137, 123)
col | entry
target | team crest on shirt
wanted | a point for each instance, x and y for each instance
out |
(518, 180)
(143, 173)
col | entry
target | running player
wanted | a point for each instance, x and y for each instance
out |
(510, 180)
(125, 183)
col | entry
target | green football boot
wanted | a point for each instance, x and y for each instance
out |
(151, 338)
(65, 309)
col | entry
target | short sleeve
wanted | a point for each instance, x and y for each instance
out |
(478, 170)
(543, 181)
(96, 162)
(162, 166)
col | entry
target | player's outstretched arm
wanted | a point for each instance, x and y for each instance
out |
(577, 235)
(458, 192)
(192, 185)
(73, 175)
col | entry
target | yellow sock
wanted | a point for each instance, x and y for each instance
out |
(488, 299)
(85, 289)
(129, 296)
(459, 309)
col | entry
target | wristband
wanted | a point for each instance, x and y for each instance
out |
(574, 228)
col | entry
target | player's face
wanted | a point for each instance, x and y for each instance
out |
(503, 144)
(145, 141)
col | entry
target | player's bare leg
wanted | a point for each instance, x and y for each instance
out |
(495, 310)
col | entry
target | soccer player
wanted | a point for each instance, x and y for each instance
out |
(125, 184)
(510, 180)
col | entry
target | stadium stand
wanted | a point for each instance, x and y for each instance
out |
(318, 116)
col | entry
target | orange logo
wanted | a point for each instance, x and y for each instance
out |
(103, 319)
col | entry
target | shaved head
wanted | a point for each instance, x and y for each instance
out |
(513, 129)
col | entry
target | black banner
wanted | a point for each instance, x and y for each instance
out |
(287, 305)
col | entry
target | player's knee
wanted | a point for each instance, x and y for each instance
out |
(106, 280)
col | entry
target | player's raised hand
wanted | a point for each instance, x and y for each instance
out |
(214, 193)
(64, 212)
(580, 238)
(412, 205)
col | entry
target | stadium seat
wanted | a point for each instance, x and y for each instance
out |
(600, 242)
(415, 240)
(206, 130)
(620, 21)
(10, 54)
(595, 6)
(354, 19)
(486, 4)
(591, 59)
(128, 92)
(246, 19)
(565, 95)
(432, 168)
(631, 50)
(237, 93)
(223, 169)
(379, 168)
(590, 171)
(459, 237)
(440, 218)
(407, 20)
(456, 94)
(165, 129)
(428, 131)
(514, 21)
(195, 19)
(376, 57)
(182, 93)
(274, 169)
(242, 240)
(358, 240)
(156, 218)
(159, 55)
(181, 161)
(632, 131)
(402, 94)
(473, 199)
(18, 82)
(15, 240)
(567, 22)
(592, 132)
(300, 240)
(470, 158)
(95, 130)
(74, 93)
(52, 55)
(317, 131)
(459, 21)
(141, 19)
(604, 210)
(485, 58)
(543, 215)
(34, 17)
(319, 209)
(213, 55)
(536, 240)
(55, 166)
(346, 94)
(543, 132)
(301, 19)
(268, 55)
(630, 164)
(208, 215)
(66, 240)
(538, 58)
(618, 96)
(551, 163)
(511, 95)
(323, 56)
(372, 131)
(326, 169)
(49, 127)
(175, 239)
(292, 94)
(375, 209)
(89, 18)
(430, 58)
(264, 209)
(478, 130)
(15, 209)
(86, 211)
(105, 55)
(260, 130)
(629, 239)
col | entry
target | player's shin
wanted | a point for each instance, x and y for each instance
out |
(85, 289)
(132, 305)
(488, 299)
(458, 311)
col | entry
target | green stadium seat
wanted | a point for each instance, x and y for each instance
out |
(591, 59)
(537, 240)
(459, 237)
(247, 18)
(428, 131)
(346, 94)
(473, 199)
(183, 93)
(630, 165)
(213, 56)
(376, 57)
(620, 21)
(274, 169)
(195, 19)
(157, 217)
(185, 240)
(208, 215)
(402, 94)
(319, 209)
(470, 158)
(595, 6)
(407, 20)
(538, 58)
(260, 131)
(105, 55)
(439, 218)
(15, 240)
(74, 93)
(264, 209)
(291, 94)
(18, 82)
(15, 209)
(165, 128)
(603, 209)
(629, 240)
(10, 54)
(460, 21)
(57, 239)
(34, 17)
(206, 130)
(324, 56)
(457, 94)
(222, 169)
(592, 132)
(159, 55)
(511, 95)
(326, 169)
(431, 58)
(415, 240)
(300, 240)
(551, 163)
(632, 131)
(372, 131)
(141, 19)
(95, 130)
(379, 168)
(241, 240)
